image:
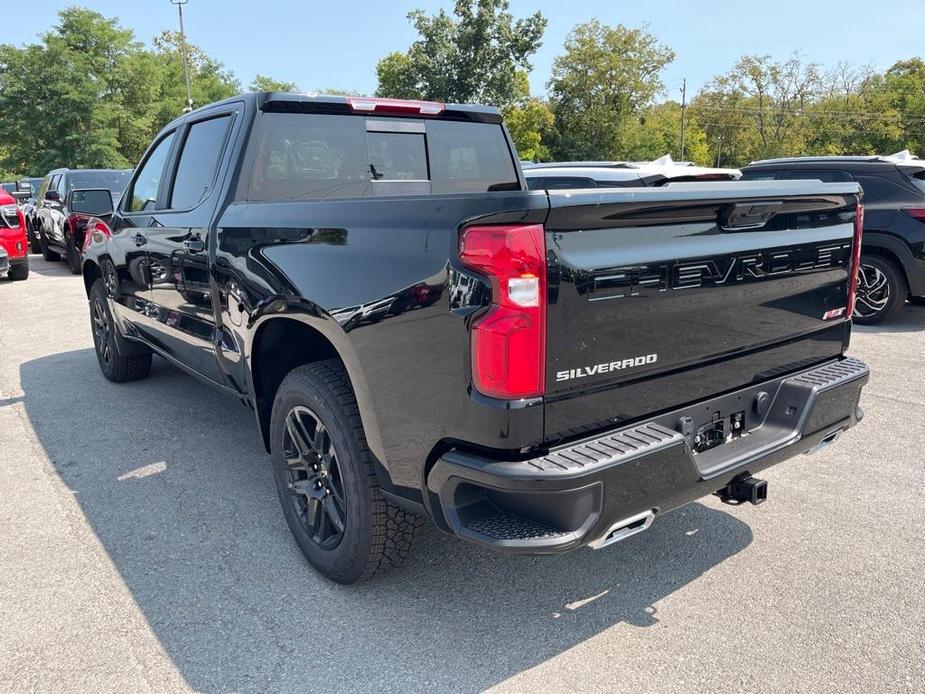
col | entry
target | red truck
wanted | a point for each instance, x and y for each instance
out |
(13, 236)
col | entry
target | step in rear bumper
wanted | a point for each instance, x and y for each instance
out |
(572, 495)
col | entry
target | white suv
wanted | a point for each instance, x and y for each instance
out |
(620, 174)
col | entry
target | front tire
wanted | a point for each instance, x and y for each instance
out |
(47, 253)
(20, 271)
(34, 245)
(119, 360)
(326, 480)
(73, 256)
(882, 290)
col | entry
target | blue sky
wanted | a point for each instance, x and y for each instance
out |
(319, 44)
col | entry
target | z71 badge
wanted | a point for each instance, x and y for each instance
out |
(607, 367)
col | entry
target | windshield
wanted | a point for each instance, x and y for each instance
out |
(114, 181)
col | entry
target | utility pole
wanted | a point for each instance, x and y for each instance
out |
(683, 113)
(189, 99)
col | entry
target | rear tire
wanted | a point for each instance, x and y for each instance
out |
(47, 253)
(20, 271)
(119, 360)
(73, 256)
(882, 290)
(325, 478)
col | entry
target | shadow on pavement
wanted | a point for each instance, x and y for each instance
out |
(174, 481)
(909, 319)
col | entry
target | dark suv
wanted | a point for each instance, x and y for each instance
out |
(58, 229)
(893, 260)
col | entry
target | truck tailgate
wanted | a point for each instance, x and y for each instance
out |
(664, 296)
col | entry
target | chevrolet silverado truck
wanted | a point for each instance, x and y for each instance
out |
(421, 335)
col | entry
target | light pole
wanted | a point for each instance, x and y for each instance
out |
(189, 99)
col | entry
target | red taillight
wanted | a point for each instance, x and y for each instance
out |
(915, 212)
(423, 108)
(509, 342)
(98, 231)
(855, 259)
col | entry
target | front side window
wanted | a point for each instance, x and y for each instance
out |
(198, 162)
(148, 180)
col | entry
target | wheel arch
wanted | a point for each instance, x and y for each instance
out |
(279, 344)
(91, 273)
(890, 248)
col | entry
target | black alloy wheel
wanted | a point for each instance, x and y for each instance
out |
(882, 290)
(119, 359)
(314, 479)
(102, 331)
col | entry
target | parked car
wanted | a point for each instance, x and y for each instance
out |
(59, 230)
(13, 237)
(893, 253)
(29, 208)
(535, 371)
(620, 174)
(4, 261)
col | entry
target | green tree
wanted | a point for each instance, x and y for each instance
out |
(62, 101)
(530, 125)
(605, 77)
(657, 132)
(262, 83)
(472, 56)
(90, 95)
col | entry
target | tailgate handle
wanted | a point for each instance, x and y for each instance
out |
(748, 215)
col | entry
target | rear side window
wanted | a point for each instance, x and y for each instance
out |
(561, 183)
(760, 175)
(202, 150)
(295, 156)
(824, 175)
(880, 189)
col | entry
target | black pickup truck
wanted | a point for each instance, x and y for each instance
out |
(419, 334)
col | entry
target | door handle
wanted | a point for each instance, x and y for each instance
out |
(140, 239)
(194, 244)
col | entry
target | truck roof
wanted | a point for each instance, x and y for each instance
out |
(304, 102)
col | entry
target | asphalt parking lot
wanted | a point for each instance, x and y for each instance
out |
(142, 548)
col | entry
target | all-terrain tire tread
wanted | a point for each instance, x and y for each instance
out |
(395, 531)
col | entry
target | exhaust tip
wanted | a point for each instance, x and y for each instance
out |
(624, 529)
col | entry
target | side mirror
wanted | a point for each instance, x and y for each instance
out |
(52, 195)
(95, 202)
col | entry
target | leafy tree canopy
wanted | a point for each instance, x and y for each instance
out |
(606, 75)
(470, 56)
